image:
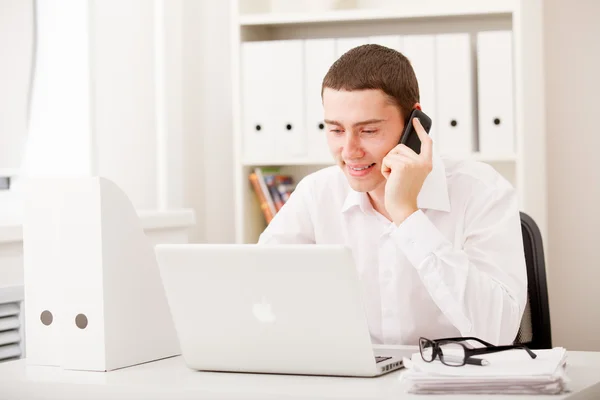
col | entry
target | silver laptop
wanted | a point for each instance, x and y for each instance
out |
(285, 309)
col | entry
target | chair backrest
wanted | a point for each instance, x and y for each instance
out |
(535, 324)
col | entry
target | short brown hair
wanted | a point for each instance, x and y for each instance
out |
(372, 66)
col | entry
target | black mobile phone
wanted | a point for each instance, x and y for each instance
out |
(409, 136)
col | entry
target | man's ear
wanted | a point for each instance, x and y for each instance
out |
(417, 106)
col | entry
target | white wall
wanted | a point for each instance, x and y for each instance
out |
(124, 96)
(106, 66)
(572, 55)
(208, 146)
(113, 77)
(16, 32)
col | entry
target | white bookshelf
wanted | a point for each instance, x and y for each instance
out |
(407, 10)
(525, 168)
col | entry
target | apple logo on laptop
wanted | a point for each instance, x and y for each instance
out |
(263, 312)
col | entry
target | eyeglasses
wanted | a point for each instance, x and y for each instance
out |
(453, 353)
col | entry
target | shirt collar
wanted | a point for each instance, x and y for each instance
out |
(433, 194)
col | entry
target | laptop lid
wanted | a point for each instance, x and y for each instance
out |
(267, 308)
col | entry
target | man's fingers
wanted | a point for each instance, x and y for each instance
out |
(426, 142)
(405, 150)
(396, 161)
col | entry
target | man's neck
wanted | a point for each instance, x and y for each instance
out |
(377, 199)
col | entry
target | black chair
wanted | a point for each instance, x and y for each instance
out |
(535, 324)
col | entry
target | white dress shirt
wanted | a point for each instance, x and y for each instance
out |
(456, 267)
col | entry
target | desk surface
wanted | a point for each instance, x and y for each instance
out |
(171, 379)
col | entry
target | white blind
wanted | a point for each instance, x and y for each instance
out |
(10, 335)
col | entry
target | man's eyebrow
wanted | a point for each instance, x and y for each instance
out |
(360, 123)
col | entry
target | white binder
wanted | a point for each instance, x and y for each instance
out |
(101, 281)
(420, 51)
(287, 99)
(344, 44)
(391, 41)
(258, 130)
(273, 101)
(495, 89)
(454, 86)
(319, 55)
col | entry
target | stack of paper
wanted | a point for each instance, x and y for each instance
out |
(508, 372)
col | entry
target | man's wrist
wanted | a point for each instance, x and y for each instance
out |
(401, 214)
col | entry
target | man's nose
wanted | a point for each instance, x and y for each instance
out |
(352, 148)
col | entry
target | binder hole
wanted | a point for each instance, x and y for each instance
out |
(453, 122)
(258, 128)
(496, 121)
(288, 127)
(46, 317)
(81, 321)
(321, 126)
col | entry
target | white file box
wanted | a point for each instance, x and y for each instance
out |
(89, 263)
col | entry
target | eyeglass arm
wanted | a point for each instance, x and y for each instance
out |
(456, 339)
(494, 349)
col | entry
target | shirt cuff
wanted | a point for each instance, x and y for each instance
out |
(418, 238)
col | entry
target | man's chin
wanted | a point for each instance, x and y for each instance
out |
(365, 184)
(361, 186)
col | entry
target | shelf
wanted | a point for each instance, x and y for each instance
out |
(409, 10)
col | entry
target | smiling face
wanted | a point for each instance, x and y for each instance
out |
(362, 127)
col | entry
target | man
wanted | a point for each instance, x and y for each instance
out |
(437, 242)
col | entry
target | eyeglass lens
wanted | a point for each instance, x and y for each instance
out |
(452, 353)
(426, 349)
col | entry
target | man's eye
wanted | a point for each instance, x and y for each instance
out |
(369, 132)
(335, 130)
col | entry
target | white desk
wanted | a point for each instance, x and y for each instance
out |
(171, 379)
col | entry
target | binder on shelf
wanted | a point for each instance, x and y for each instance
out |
(319, 55)
(258, 130)
(495, 92)
(287, 99)
(420, 51)
(273, 100)
(454, 94)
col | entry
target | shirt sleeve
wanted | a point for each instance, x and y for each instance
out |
(293, 223)
(480, 284)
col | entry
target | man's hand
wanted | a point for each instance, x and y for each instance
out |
(405, 172)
